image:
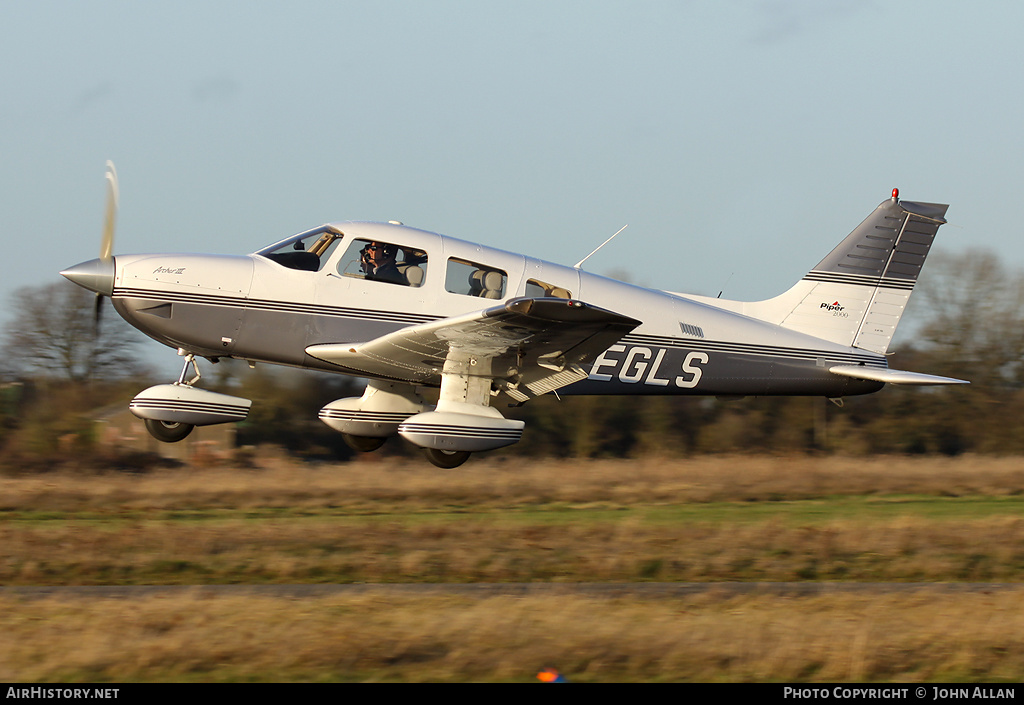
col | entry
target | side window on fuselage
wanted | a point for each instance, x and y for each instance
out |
(537, 289)
(473, 279)
(387, 262)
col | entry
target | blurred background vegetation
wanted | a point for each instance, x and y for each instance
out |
(966, 320)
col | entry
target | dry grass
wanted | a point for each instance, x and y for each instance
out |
(375, 486)
(772, 519)
(486, 550)
(707, 519)
(837, 638)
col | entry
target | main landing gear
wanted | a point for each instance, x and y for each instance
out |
(363, 444)
(446, 459)
(448, 437)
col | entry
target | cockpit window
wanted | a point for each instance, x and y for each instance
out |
(380, 261)
(308, 251)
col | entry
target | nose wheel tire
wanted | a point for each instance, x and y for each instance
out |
(168, 432)
(446, 459)
(363, 444)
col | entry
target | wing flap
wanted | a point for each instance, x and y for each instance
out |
(533, 344)
(892, 376)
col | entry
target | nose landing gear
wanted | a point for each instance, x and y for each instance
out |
(168, 431)
(171, 411)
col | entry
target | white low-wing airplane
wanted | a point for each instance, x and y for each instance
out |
(448, 331)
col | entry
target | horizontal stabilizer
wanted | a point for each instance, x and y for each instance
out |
(892, 376)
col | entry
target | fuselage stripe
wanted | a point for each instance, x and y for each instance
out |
(169, 405)
(412, 319)
(460, 431)
(861, 280)
(364, 415)
(760, 350)
(273, 306)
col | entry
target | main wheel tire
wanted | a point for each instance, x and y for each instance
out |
(363, 444)
(167, 431)
(446, 459)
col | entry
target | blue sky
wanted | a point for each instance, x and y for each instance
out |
(739, 140)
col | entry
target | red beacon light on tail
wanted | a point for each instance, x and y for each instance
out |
(895, 194)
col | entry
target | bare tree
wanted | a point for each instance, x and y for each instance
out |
(974, 317)
(54, 336)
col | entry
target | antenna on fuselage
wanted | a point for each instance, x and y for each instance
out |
(580, 263)
(726, 284)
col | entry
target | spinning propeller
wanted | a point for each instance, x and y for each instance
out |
(98, 274)
(107, 243)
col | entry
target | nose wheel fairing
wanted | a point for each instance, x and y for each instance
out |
(178, 403)
(171, 411)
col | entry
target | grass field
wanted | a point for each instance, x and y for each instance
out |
(705, 519)
(915, 637)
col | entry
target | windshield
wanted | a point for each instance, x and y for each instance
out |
(306, 251)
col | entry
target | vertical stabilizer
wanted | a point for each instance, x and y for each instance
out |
(858, 293)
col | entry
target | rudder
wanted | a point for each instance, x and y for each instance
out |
(857, 294)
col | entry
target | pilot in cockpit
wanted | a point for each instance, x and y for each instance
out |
(378, 263)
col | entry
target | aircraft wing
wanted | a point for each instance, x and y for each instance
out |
(892, 376)
(528, 346)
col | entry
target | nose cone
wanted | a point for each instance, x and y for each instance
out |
(95, 275)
